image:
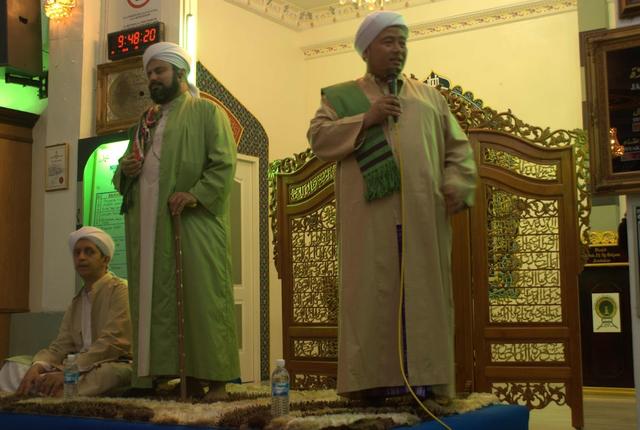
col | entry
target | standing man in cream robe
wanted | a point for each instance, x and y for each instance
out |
(180, 161)
(404, 166)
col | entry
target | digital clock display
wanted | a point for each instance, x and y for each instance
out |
(133, 41)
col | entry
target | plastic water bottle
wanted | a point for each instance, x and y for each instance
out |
(279, 390)
(71, 376)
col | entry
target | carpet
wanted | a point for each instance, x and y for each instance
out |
(249, 407)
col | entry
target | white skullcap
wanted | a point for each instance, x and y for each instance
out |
(100, 238)
(172, 54)
(373, 24)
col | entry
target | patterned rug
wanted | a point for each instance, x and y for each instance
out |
(248, 406)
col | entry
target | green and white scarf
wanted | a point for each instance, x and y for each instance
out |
(375, 158)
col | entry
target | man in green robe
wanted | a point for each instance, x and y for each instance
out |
(180, 161)
(404, 166)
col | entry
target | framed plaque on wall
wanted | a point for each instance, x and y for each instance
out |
(613, 109)
(122, 95)
(56, 165)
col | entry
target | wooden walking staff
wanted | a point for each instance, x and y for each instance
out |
(180, 303)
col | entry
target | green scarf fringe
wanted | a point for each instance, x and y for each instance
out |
(383, 177)
(381, 180)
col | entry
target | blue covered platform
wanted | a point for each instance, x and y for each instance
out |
(495, 417)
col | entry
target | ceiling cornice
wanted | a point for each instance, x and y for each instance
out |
(472, 21)
(296, 18)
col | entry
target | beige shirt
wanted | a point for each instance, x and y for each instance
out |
(110, 327)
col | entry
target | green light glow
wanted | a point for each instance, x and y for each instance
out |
(101, 202)
(25, 99)
(17, 97)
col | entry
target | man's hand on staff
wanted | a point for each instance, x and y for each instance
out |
(130, 166)
(178, 201)
(380, 110)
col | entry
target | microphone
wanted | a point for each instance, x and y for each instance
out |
(392, 82)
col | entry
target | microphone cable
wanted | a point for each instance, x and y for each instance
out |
(394, 132)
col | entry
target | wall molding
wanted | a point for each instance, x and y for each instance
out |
(460, 23)
(297, 18)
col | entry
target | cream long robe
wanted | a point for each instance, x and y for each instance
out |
(433, 150)
(105, 365)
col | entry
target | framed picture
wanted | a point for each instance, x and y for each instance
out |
(612, 64)
(628, 8)
(122, 95)
(56, 164)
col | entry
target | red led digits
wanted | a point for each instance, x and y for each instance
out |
(134, 41)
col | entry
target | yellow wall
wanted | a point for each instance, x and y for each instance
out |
(531, 67)
(258, 62)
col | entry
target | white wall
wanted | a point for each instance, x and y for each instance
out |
(70, 109)
(259, 63)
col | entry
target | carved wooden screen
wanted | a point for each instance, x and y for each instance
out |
(308, 266)
(302, 199)
(525, 287)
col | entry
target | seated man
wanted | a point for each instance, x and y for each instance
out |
(96, 327)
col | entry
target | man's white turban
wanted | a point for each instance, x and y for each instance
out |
(373, 24)
(172, 54)
(169, 52)
(100, 238)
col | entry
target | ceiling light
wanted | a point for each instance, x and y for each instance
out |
(58, 9)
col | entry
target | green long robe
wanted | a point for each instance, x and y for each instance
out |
(199, 157)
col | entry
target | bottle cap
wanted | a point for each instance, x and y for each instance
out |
(280, 362)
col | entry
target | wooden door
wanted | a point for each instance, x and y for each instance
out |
(15, 204)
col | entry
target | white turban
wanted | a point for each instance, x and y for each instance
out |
(169, 52)
(100, 238)
(172, 54)
(373, 24)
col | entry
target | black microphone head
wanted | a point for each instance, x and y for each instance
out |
(392, 81)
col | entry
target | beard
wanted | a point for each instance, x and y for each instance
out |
(162, 94)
